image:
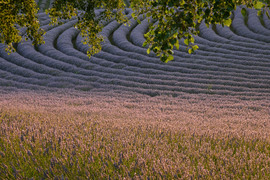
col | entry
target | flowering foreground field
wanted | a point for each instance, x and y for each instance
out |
(98, 135)
(124, 114)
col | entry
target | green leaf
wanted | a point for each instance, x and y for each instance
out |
(195, 47)
(259, 13)
(186, 41)
(192, 40)
(244, 12)
(228, 22)
(144, 44)
(177, 44)
(170, 58)
(148, 51)
(170, 51)
(164, 58)
(268, 15)
(259, 5)
(157, 48)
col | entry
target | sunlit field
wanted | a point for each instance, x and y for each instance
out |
(123, 114)
(110, 135)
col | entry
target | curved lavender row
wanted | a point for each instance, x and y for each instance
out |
(163, 90)
(238, 25)
(42, 5)
(209, 41)
(225, 55)
(120, 39)
(123, 65)
(25, 63)
(207, 35)
(27, 75)
(107, 67)
(217, 51)
(254, 23)
(44, 19)
(266, 20)
(14, 85)
(51, 3)
(18, 65)
(123, 34)
(126, 59)
(109, 26)
(136, 35)
(21, 79)
(235, 53)
(27, 50)
(66, 69)
(251, 67)
(181, 86)
(267, 68)
(98, 61)
(182, 72)
(23, 68)
(94, 60)
(65, 57)
(65, 45)
(127, 75)
(242, 41)
(42, 16)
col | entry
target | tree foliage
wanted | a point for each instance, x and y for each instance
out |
(89, 23)
(170, 20)
(15, 14)
(179, 19)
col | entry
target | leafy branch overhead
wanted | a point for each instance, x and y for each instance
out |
(89, 24)
(15, 14)
(180, 20)
(171, 21)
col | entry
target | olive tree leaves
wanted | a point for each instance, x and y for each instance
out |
(15, 14)
(258, 5)
(179, 19)
(89, 24)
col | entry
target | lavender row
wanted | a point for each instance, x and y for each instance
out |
(221, 65)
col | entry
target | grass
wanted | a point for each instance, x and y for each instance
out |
(105, 135)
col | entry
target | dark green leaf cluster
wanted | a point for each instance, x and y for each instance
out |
(89, 24)
(15, 14)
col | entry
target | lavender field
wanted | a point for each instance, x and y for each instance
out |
(123, 114)
(231, 61)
